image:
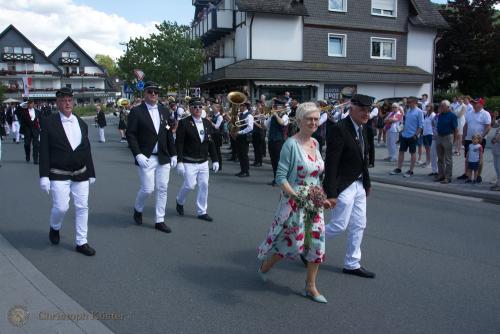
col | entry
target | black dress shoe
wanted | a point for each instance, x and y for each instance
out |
(85, 249)
(244, 175)
(205, 217)
(179, 208)
(137, 217)
(304, 260)
(238, 174)
(257, 164)
(54, 236)
(479, 179)
(361, 272)
(462, 177)
(162, 227)
(371, 165)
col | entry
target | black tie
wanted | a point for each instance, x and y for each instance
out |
(361, 141)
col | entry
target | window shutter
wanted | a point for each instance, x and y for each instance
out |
(384, 4)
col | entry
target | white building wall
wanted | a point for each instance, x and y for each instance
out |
(93, 69)
(229, 46)
(242, 42)
(45, 67)
(277, 37)
(420, 49)
(380, 91)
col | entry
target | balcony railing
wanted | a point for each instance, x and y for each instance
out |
(201, 2)
(69, 61)
(215, 24)
(18, 57)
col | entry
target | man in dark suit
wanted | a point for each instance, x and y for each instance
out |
(151, 141)
(66, 167)
(101, 123)
(347, 181)
(30, 128)
(194, 141)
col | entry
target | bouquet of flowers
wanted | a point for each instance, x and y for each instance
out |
(310, 199)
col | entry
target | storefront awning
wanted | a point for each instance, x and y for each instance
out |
(286, 83)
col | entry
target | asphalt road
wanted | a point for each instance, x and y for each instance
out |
(436, 257)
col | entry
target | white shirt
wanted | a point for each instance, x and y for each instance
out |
(201, 129)
(428, 123)
(323, 118)
(180, 112)
(72, 130)
(476, 123)
(32, 113)
(218, 123)
(474, 153)
(285, 119)
(374, 113)
(155, 116)
(248, 122)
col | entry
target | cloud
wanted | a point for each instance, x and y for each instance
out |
(48, 22)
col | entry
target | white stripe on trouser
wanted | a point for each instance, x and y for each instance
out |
(195, 174)
(156, 176)
(101, 135)
(392, 148)
(350, 214)
(434, 156)
(60, 191)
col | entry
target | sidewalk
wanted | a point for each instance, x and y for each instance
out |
(31, 303)
(421, 180)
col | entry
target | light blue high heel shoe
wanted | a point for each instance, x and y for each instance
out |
(318, 299)
(263, 276)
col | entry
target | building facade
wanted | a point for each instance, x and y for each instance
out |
(67, 66)
(315, 48)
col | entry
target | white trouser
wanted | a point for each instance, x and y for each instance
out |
(434, 156)
(15, 130)
(0, 149)
(101, 135)
(392, 147)
(350, 214)
(195, 174)
(60, 191)
(156, 176)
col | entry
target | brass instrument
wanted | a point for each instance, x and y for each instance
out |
(186, 114)
(236, 99)
(122, 102)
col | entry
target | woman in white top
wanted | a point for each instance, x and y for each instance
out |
(428, 132)
(459, 111)
(391, 127)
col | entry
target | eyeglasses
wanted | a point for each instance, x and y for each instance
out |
(151, 91)
(197, 107)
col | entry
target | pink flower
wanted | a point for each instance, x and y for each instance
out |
(315, 173)
(310, 158)
(269, 240)
(300, 237)
(293, 204)
(289, 241)
(315, 234)
(300, 167)
(317, 219)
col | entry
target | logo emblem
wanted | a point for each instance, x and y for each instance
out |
(18, 316)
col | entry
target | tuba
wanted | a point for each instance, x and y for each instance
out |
(236, 99)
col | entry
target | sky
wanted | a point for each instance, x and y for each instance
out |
(98, 26)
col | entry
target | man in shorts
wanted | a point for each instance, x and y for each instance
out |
(414, 120)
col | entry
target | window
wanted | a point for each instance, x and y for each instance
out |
(8, 49)
(74, 70)
(384, 7)
(337, 45)
(27, 51)
(18, 50)
(383, 48)
(73, 55)
(11, 67)
(81, 70)
(337, 5)
(65, 54)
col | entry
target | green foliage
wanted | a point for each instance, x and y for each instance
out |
(468, 52)
(108, 63)
(89, 110)
(441, 95)
(167, 56)
(493, 103)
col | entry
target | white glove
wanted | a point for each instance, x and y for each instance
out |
(180, 169)
(91, 180)
(173, 161)
(142, 160)
(45, 184)
(215, 166)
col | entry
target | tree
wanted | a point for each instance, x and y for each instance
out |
(108, 63)
(168, 56)
(469, 51)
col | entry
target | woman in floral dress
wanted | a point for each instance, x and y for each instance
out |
(300, 164)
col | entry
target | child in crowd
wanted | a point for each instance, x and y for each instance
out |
(474, 158)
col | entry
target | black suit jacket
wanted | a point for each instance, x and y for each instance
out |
(28, 126)
(101, 119)
(189, 147)
(142, 136)
(344, 162)
(56, 151)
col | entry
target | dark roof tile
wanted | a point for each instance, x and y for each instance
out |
(285, 7)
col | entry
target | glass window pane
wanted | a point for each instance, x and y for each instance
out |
(387, 50)
(375, 49)
(72, 55)
(27, 51)
(18, 50)
(335, 46)
(8, 49)
(65, 54)
(337, 4)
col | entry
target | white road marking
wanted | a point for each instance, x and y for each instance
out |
(427, 192)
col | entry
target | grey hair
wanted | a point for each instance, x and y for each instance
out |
(446, 102)
(395, 104)
(304, 109)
